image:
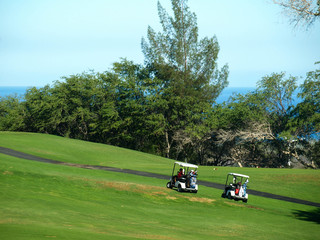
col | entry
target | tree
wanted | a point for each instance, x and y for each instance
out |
(192, 63)
(132, 93)
(185, 71)
(74, 103)
(277, 93)
(301, 12)
(12, 114)
(243, 128)
(105, 126)
(38, 105)
(306, 115)
(243, 143)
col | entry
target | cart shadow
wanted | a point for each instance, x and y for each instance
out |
(182, 192)
(311, 216)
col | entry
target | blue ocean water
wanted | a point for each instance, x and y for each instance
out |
(229, 91)
(11, 91)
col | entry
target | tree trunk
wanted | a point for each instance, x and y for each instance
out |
(168, 146)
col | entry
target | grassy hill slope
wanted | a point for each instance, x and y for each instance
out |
(297, 183)
(40, 201)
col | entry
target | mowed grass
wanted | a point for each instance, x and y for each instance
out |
(82, 152)
(297, 183)
(45, 201)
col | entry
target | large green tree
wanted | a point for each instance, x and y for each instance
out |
(190, 63)
(186, 73)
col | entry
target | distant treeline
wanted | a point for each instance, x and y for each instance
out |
(137, 107)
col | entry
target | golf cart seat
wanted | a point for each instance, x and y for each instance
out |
(182, 179)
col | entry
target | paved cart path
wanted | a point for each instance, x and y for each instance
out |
(26, 156)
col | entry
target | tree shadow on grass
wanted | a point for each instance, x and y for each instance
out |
(311, 216)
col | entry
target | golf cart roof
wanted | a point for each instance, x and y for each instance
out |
(238, 175)
(182, 164)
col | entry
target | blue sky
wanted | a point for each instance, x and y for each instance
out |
(43, 40)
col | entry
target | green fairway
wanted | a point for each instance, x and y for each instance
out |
(45, 201)
(296, 183)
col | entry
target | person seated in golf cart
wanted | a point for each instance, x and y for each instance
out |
(192, 180)
(238, 187)
(181, 173)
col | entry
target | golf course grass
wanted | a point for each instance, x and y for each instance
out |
(48, 201)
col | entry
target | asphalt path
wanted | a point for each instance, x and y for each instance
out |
(26, 156)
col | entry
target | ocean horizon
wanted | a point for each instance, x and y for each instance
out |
(6, 91)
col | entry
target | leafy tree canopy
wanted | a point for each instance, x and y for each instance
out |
(189, 63)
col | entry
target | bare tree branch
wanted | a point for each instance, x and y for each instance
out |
(256, 132)
(301, 12)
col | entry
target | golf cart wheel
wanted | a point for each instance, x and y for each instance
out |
(169, 185)
(245, 200)
(179, 188)
(223, 195)
(195, 191)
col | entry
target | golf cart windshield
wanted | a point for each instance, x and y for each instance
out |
(234, 178)
(185, 166)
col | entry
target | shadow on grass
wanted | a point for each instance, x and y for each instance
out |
(311, 216)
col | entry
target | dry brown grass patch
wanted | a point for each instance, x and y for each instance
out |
(151, 191)
(202, 200)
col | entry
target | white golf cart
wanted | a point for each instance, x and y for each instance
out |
(185, 179)
(236, 187)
